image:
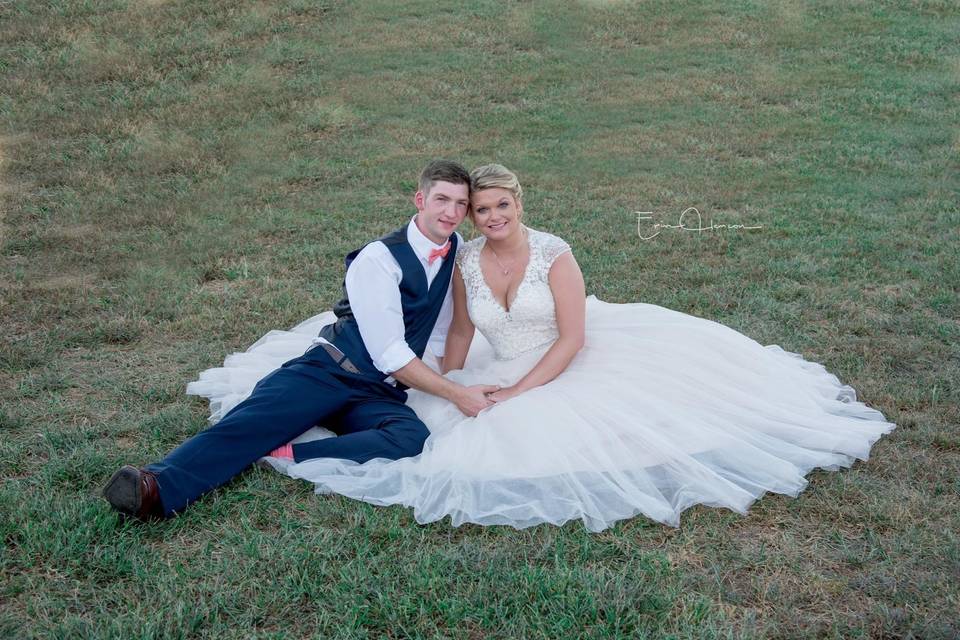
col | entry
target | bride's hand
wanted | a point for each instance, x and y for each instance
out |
(504, 394)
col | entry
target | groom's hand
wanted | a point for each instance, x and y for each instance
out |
(473, 400)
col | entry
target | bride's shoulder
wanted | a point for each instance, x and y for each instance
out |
(549, 245)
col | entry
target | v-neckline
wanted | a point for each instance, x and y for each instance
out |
(523, 279)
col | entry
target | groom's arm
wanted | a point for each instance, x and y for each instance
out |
(372, 283)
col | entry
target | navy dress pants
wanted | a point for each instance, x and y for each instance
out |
(370, 417)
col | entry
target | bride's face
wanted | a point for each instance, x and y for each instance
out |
(496, 213)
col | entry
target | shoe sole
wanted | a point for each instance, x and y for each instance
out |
(123, 491)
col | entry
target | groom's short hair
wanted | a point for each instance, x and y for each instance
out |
(444, 171)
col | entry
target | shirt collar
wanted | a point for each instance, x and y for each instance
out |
(421, 244)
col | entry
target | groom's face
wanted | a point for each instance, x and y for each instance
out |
(441, 209)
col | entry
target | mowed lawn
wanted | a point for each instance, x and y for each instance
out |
(179, 177)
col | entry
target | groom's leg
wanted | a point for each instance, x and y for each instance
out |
(282, 406)
(372, 428)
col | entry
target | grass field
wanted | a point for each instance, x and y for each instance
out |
(179, 177)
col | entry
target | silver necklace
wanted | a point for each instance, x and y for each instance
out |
(504, 270)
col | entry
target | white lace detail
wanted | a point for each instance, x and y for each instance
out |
(531, 322)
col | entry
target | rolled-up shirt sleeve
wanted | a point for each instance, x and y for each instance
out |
(372, 284)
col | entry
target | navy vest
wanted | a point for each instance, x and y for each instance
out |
(421, 305)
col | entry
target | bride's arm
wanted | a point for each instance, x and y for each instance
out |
(460, 334)
(569, 297)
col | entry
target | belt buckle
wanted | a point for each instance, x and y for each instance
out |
(338, 356)
(346, 365)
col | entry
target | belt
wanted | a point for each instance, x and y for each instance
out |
(344, 362)
(338, 357)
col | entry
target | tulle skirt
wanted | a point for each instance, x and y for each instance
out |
(658, 412)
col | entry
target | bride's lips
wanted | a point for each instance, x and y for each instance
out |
(499, 225)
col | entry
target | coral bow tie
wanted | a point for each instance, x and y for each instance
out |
(438, 253)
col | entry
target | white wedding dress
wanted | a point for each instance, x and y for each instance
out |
(659, 411)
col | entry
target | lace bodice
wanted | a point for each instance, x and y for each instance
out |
(531, 321)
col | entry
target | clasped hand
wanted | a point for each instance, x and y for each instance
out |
(474, 399)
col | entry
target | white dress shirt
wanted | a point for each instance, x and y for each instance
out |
(373, 288)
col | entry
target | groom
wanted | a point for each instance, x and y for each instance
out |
(397, 300)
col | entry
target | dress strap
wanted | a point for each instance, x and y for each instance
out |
(545, 248)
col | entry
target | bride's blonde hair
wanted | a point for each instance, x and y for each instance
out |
(491, 176)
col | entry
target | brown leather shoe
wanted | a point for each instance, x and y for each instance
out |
(134, 492)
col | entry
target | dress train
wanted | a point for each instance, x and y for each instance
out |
(659, 411)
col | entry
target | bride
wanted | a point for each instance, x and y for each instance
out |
(605, 410)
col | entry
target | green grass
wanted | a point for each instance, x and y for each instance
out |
(180, 177)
